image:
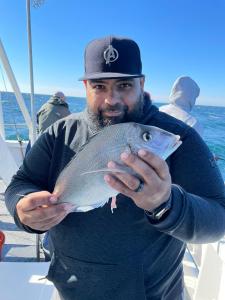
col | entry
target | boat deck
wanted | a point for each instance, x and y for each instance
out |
(19, 246)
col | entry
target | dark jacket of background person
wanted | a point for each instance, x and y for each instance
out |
(182, 100)
(124, 255)
(54, 109)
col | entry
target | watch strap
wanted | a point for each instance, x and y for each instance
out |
(157, 213)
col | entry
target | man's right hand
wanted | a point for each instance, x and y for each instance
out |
(40, 210)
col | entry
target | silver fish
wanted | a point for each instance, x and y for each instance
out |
(81, 182)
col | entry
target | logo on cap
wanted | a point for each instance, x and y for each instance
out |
(110, 54)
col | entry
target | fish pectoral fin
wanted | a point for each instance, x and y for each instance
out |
(90, 207)
(113, 204)
(106, 170)
(84, 208)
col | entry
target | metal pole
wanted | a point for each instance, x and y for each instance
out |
(33, 114)
(2, 127)
(33, 117)
(15, 87)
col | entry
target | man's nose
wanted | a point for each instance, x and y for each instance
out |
(113, 97)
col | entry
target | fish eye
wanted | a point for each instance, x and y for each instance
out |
(146, 136)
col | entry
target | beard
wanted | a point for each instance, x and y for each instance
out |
(134, 115)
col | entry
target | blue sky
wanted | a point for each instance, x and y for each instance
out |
(176, 37)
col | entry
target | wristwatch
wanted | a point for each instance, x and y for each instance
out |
(157, 213)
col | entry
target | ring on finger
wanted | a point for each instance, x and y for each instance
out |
(140, 187)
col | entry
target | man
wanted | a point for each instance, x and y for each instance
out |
(136, 252)
(183, 96)
(54, 109)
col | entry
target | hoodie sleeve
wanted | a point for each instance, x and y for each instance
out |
(198, 194)
(32, 175)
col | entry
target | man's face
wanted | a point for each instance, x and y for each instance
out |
(112, 101)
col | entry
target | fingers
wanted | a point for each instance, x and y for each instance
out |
(42, 214)
(154, 173)
(147, 164)
(119, 186)
(43, 226)
(156, 162)
(130, 181)
(34, 200)
(140, 167)
(40, 211)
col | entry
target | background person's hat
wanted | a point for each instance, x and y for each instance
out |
(112, 57)
(59, 95)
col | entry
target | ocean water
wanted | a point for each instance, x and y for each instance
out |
(212, 119)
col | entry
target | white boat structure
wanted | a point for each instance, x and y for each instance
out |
(13, 150)
(204, 266)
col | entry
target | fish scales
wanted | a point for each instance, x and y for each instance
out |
(82, 180)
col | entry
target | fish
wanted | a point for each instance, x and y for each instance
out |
(82, 182)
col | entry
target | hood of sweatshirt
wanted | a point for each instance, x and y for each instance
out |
(184, 93)
(57, 101)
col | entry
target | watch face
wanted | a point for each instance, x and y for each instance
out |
(161, 213)
(158, 212)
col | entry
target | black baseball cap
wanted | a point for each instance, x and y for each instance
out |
(112, 57)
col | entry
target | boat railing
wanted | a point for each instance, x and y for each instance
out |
(18, 125)
(17, 92)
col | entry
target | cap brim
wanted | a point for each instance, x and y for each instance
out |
(109, 76)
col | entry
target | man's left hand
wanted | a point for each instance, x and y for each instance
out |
(155, 174)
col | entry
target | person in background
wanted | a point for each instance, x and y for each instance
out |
(136, 252)
(54, 109)
(182, 98)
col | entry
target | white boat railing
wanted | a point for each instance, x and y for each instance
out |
(17, 92)
(8, 165)
(18, 125)
(2, 128)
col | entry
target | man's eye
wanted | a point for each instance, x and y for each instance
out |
(125, 85)
(98, 87)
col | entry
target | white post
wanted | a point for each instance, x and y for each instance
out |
(8, 165)
(16, 90)
(2, 126)
(33, 115)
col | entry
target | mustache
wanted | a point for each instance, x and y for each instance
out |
(116, 107)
